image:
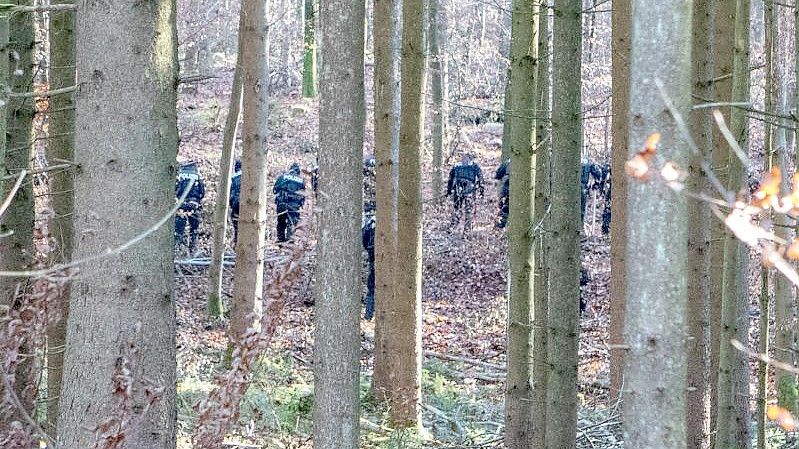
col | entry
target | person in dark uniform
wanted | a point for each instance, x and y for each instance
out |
(465, 179)
(502, 175)
(189, 212)
(595, 177)
(235, 195)
(368, 242)
(288, 201)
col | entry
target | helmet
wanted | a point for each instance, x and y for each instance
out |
(295, 168)
(237, 165)
(188, 167)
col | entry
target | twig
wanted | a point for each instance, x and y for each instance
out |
(765, 358)
(42, 8)
(454, 358)
(9, 390)
(37, 171)
(12, 193)
(109, 251)
(43, 94)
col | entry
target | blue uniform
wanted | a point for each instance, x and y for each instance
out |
(465, 179)
(368, 242)
(189, 212)
(288, 201)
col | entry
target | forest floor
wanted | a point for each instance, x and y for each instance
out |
(464, 281)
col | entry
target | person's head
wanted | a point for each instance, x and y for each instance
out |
(295, 168)
(237, 165)
(467, 157)
(188, 167)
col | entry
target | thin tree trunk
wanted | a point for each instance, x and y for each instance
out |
(121, 325)
(216, 306)
(59, 146)
(247, 303)
(698, 392)
(309, 82)
(621, 28)
(724, 48)
(564, 283)
(338, 302)
(523, 63)
(732, 422)
(437, 90)
(385, 123)
(655, 369)
(404, 344)
(542, 238)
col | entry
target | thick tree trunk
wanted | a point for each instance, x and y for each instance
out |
(216, 305)
(247, 303)
(309, 82)
(655, 369)
(404, 344)
(338, 301)
(60, 147)
(385, 126)
(698, 393)
(622, 23)
(122, 316)
(564, 283)
(523, 63)
(732, 422)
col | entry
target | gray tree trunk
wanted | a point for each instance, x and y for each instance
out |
(404, 344)
(621, 57)
(733, 417)
(216, 305)
(309, 81)
(338, 302)
(248, 283)
(437, 97)
(655, 329)
(698, 393)
(126, 150)
(523, 71)
(60, 147)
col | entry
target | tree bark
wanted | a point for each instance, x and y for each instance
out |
(404, 344)
(698, 393)
(655, 371)
(122, 315)
(309, 82)
(385, 127)
(60, 146)
(216, 305)
(564, 283)
(247, 304)
(437, 90)
(523, 70)
(621, 58)
(732, 422)
(338, 302)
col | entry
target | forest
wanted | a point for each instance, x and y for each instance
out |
(389, 224)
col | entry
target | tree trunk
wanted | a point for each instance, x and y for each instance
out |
(698, 393)
(216, 305)
(732, 421)
(542, 238)
(724, 48)
(437, 90)
(621, 43)
(404, 344)
(654, 404)
(247, 303)
(338, 303)
(385, 126)
(523, 70)
(60, 146)
(309, 83)
(121, 325)
(564, 291)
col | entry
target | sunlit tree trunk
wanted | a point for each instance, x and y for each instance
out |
(309, 82)
(337, 346)
(437, 96)
(121, 325)
(655, 369)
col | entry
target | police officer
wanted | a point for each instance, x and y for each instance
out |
(288, 201)
(368, 242)
(595, 177)
(233, 201)
(465, 179)
(502, 175)
(189, 211)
